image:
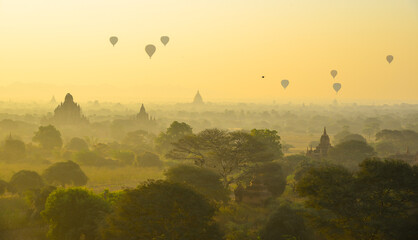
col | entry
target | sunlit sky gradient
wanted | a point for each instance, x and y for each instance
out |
(221, 47)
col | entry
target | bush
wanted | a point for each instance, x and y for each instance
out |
(91, 158)
(203, 180)
(25, 180)
(74, 214)
(161, 210)
(77, 144)
(124, 157)
(149, 159)
(286, 223)
(65, 173)
(3, 187)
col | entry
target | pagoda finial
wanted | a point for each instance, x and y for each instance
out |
(325, 130)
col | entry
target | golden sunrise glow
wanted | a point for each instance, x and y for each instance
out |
(222, 48)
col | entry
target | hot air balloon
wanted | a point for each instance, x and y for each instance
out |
(113, 40)
(334, 73)
(389, 58)
(165, 39)
(337, 87)
(150, 49)
(285, 83)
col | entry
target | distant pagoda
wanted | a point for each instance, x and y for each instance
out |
(143, 116)
(198, 99)
(69, 112)
(321, 151)
(53, 101)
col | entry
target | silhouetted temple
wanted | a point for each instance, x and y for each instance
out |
(198, 99)
(69, 112)
(143, 116)
(321, 151)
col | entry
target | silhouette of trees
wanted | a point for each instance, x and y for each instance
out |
(161, 210)
(174, 133)
(25, 180)
(13, 150)
(65, 173)
(3, 187)
(148, 159)
(351, 153)
(77, 144)
(377, 202)
(48, 137)
(74, 214)
(203, 180)
(226, 152)
(285, 224)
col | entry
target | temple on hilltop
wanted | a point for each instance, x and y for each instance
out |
(198, 99)
(143, 116)
(321, 151)
(69, 112)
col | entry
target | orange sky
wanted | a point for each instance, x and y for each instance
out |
(222, 48)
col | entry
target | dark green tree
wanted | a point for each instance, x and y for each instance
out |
(48, 137)
(77, 144)
(269, 174)
(25, 180)
(286, 224)
(161, 210)
(65, 173)
(149, 159)
(378, 202)
(175, 132)
(353, 137)
(3, 187)
(124, 157)
(271, 140)
(203, 180)
(37, 199)
(13, 150)
(74, 214)
(351, 153)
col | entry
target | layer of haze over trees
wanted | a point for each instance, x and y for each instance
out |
(208, 171)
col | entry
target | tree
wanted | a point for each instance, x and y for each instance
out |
(74, 214)
(37, 199)
(378, 202)
(396, 141)
(290, 162)
(269, 174)
(270, 140)
(14, 149)
(139, 141)
(226, 152)
(48, 137)
(202, 180)
(92, 158)
(351, 153)
(161, 210)
(77, 144)
(25, 180)
(353, 137)
(371, 127)
(124, 157)
(148, 159)
(3, 187)
(286, 223)
(175, 132)
(65, 173)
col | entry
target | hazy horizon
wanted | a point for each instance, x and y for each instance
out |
(220, 48)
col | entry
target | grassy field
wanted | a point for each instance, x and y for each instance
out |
(100, 178)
